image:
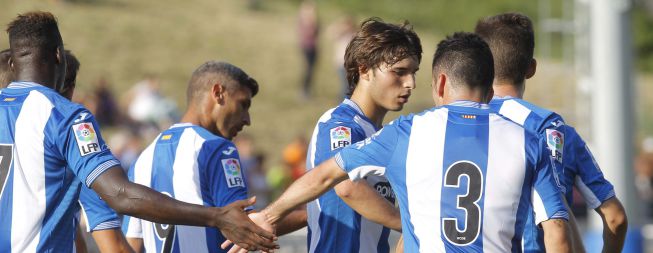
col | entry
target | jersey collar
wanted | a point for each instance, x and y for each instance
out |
(23, 84)
(353, 104)
(181, 125)
(467, 103)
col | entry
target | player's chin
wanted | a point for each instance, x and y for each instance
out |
(397, 106)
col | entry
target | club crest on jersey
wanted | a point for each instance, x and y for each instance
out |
(233, 173)
(555, 140)
(86, 138)
(340, 137)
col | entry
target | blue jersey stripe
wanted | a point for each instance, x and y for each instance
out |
(464, 143)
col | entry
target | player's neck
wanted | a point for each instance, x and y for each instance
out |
(42, 77)
(372, 111)
(505, 89)
(191, 117)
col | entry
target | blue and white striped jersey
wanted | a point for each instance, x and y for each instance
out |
(464, 178)
(49, 147)
(190, 164)
(332, 225)
(573, 162)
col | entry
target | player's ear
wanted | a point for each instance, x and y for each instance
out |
(441, 81)
(59, 54)
(363, 73)
(530, 72)
(218, 93)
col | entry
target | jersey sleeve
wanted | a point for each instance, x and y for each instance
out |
(589, 178)
(132, 227)
(222, 173)
(99, 215)
(333, 137)
(369, 156)
(80, 143)
(546, 196)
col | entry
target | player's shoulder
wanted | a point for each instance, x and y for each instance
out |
(533, 117)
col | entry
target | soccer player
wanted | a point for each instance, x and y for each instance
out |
(381, 61)
(464, 176)
(195, 160)
(511, 39)
(5, 71)
(49, 146)
(101, 220)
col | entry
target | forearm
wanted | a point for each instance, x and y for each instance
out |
(577, 240)
(292, 222)
(368, 203)
(556, 236)
(142, 202)
(306, 188)
(615, 225)
(136, 244)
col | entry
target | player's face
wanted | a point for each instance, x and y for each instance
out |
(391, 85)
(234, 114)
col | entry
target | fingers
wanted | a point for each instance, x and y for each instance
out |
(225, 244)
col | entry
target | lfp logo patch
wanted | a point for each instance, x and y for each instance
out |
(340, 137)
(86, 138)
(232, 172)
(555, 140)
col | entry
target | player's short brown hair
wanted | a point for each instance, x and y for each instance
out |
(379, 42)
(467, 60)
(72, 67)
(512, 41)
(230, 76)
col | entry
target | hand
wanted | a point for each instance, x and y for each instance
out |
(261, 220)
(238, 228)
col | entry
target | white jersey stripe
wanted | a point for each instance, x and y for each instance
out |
(590, 198)
(515, 111)
(424, 158)
(185, 169)
(538, 205)
(502, 187)
(143, 175)
(29, 173)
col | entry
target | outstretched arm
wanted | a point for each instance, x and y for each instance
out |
(306, 188)
(556, 236)
(142, 202)
(368, 203)
(615, 225)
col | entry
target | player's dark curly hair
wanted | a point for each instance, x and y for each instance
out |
(512, 41)
(378, 42)
(467, 60)
(34, 30)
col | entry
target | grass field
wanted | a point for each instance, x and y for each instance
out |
(125, 40)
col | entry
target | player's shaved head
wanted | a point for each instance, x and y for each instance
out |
(511, 39)
(467, 61)
(378, 42)
(37, 49)
(6, 75)
(212, 72)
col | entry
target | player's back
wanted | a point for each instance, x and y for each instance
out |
(573, 163)
(192, 165)
(464, 177)
(45, 142)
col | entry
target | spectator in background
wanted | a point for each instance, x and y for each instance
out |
(106, 109)
(342, 31)
(294, 156)
(5, 69)
(148, 108)
(308, 33)
(644, 175)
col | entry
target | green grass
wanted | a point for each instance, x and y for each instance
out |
(124, 40)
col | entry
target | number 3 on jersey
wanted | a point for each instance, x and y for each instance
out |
(6, 156)
(468, 203)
